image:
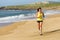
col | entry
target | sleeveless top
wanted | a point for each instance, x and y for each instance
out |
(39, 16)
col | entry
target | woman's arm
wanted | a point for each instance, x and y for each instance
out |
(43, 14)
(37, 15)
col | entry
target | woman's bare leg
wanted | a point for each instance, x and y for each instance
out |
(39, 26)
(41, 23)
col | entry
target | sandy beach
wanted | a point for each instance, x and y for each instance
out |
(28, 30)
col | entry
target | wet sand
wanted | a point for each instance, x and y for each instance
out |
(28, 30)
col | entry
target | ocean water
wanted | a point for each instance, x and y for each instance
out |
(9, 16)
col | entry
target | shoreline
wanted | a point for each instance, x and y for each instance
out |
(9, 23)
(47, 17)
(5, 24)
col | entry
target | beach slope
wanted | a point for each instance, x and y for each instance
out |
(28, 30)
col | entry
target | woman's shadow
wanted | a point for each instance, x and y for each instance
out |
(45, 33)
(50, 32)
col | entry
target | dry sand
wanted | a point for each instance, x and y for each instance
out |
(27, 30)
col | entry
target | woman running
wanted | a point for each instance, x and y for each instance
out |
(40, 17)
